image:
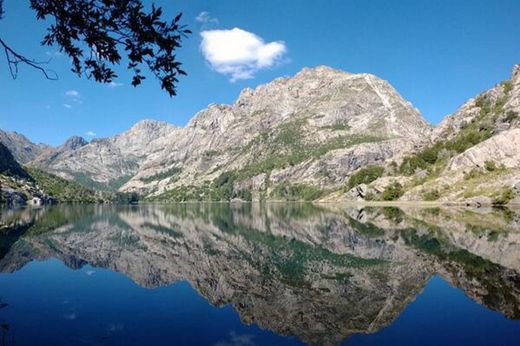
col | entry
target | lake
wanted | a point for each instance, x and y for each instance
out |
(259, 274)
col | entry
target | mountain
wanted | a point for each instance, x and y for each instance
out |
(20, 184)
(313, 129)
(9, 166)
(106, 163)
(476, 155)
(21, 148)
(322, 134)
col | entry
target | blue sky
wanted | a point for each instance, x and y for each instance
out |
(436, 54)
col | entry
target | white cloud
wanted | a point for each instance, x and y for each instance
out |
(205, 18)
(239, 54)
(53, 53)
(114, 84)
(72, 93)
(90, 133)
(66, 105)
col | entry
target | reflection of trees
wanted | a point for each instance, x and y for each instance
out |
(295, 269)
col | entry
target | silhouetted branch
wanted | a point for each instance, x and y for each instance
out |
(14, 59)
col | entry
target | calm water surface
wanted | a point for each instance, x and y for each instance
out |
(282, 274)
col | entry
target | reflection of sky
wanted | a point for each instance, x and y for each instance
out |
(52, 304)
(443, 315)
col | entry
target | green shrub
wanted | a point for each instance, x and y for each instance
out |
(365, 175)
(297, 192)
(370, 196)
(511, 116)
(64, 190)
(340, 126)
(244, 194)
(431, 195)
(505, 196)
(508, 86)
(490, 166)
(162, 175)
(393, 214)
(392, 192)
(474, 173)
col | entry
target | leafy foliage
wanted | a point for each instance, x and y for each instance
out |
(508, 86)
(172, 172)
(365, 175)
(63, 190)
(490, 166)
(111, 186)
(126, 198)
(511, 116)
(505, 196)
(95, 33)
(222, 189)
(297, 192)
(431, 195)
(472, 174)
(392, 192)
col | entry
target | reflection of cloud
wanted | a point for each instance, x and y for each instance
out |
(116, 327)
(71, 316)
(237, 340)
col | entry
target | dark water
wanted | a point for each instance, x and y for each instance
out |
(259, 275)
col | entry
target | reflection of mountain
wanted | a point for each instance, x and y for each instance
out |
(297, 270)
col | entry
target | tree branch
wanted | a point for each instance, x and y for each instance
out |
(13, 59)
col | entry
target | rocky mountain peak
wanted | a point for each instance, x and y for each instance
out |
(150, 125)
(74, 143)
(320, 71)
(8, 164)
(21, 147)
(516, 73)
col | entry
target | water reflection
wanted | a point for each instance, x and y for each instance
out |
(321, 274)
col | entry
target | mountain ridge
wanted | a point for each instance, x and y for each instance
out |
(313, 130)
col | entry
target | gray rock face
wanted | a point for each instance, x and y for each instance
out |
(74, 143)
(334, 121)
(452, 124)
(317, 126)
(314, 129)
(465, 177)
(8, 164)
(106, 160)
(504, 148)
(22, 148)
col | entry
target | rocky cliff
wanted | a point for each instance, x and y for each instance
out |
(322, 134)
(472, 156)
(21, 147)
(315, 128)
